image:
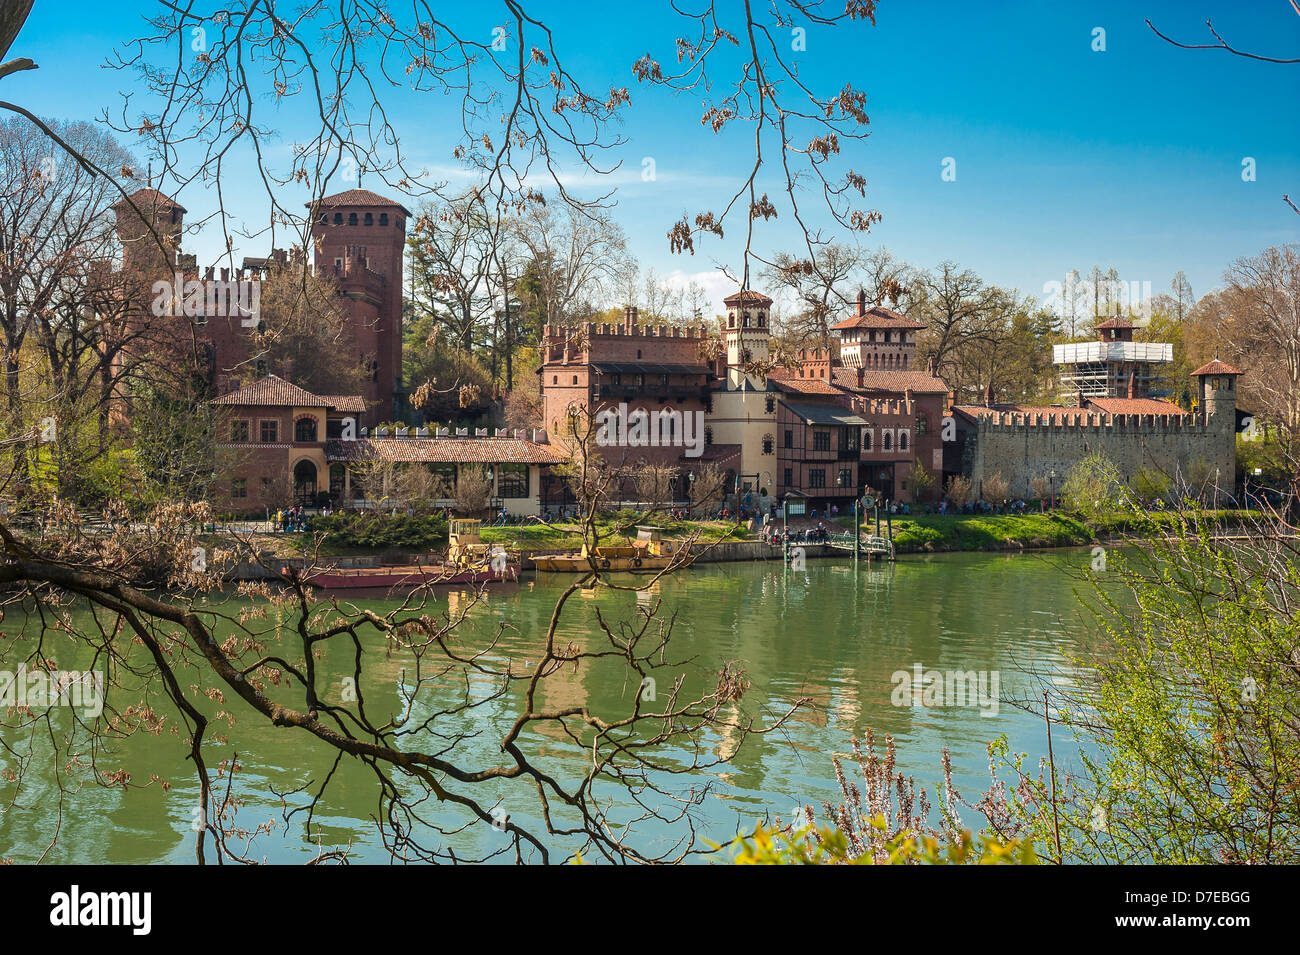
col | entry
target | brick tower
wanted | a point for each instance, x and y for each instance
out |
(359, 238)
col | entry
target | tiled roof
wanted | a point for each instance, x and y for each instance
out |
(273, 392)
(876, 317)
(803, 386)
(1071, 415)
(1135, 406)
(714, 453)
(1118, 322)
(443, 451)
(349, 403)
(357, 198)
(1216, 367)
(147, 199)
(747, 296)
(919, 382)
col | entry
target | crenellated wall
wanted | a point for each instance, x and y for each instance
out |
(1020, 446)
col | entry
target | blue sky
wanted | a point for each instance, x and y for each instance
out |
(1065, 157)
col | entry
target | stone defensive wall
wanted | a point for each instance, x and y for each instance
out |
(1023, 445)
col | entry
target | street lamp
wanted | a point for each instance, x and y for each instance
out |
(1052, 503)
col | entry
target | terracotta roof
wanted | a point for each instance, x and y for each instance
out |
(350, 403)
(149, 198)
(1216, 367)
(1123, 406)
(443, 451)
(273, 392)
(1069, 415)
(803, 386)
(747, 296)
(1135, 406)
(358, 197)
(714, 453)
(920, 382)
(876, 317)
(1117, 322)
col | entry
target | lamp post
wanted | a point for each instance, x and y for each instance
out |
(1052, 504)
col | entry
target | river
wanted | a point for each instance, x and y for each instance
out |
(832, 633)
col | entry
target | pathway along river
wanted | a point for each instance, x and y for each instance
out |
(829, 633)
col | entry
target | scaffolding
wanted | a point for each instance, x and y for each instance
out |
(1103, 369)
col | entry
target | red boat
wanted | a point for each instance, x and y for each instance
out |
(410, 576)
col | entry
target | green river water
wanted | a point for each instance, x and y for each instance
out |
(831, 633)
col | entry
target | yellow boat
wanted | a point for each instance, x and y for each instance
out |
(649, 552)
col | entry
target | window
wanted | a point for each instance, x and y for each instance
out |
(304, 429)
(512, 480)
(616, 379)
(817, 477)
(575, 379)
(338, 218)
(767, 444)
(239, 488)
(821, 440)
(638, 354)
(770, 404)
(844, 478)
(663, 381)
(887, 440)
(789, 477)
(789, 438)
(270, 431)
(762, 319)
(902, 440)
(866, 440)
(383, 218)
(639, 380)
(708, 435)
(238, 432)
(922, 424)
(370, 218)
(338, 263)
(352, 218)
(555, 379)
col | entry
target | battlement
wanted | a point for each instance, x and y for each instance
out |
(898, 407)
(559, 333)
(1004, 421)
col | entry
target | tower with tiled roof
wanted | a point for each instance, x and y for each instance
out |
(877, 338)
(748, 331)
(359, 238)
(149, 227)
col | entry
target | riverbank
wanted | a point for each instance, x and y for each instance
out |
(915, 534)
(941, 533)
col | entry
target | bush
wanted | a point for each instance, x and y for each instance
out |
(375, 530)
(1094, 487)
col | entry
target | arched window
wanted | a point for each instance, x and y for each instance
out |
(768, 443)
(731, 320)
(383, 218)
(338, 218)
(902, 441)
(370, 218)
(886, 440)
(304, 429)
(352, 218)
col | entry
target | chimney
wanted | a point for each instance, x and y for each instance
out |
(862, 300)
(860, 370)
(988, 396)
(1132, 384)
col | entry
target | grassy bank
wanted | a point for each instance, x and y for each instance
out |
(965, 532)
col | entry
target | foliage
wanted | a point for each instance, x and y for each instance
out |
(379, 530)
(1093, 487)
(824, 845)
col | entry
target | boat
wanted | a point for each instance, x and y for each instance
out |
(649, 552)
(469, 561)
